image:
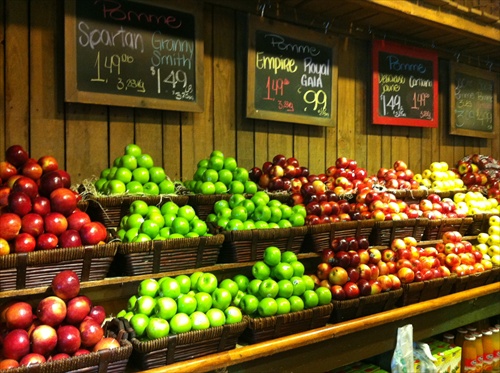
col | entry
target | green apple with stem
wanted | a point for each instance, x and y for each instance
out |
(207, 283)
(221, 298)
(249, 304)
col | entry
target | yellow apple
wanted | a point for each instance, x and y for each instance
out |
(482, 237)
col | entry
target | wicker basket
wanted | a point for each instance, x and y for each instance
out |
(477, 279)
(344, 310)
(480, 223)
(249, 245)
(37, 268)
(385, 231)
(109, 210)
(425, 290)
(436, 228)
(183, 346)
(320, 236)
(261, 329)
(158, 256)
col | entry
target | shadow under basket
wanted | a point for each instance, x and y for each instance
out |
(436, 228)
(320, 236)
(38, 268)
(249, 245)
(110, 209)
(261, 329)
(184, 346)
(156, 256)
(344, 310)
(416, 292)
(475, 280)
(384, 232)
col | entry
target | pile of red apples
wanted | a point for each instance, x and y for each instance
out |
(60, 326)
(397, 177)
(38, 210)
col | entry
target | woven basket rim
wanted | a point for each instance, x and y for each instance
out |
(309, 313)
(118, 200)
(341, 225)
(174, 243)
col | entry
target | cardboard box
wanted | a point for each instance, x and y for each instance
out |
(447, 357)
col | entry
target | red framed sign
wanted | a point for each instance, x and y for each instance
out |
(405, 85)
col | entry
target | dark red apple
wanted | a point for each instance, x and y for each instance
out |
(19, 316)
(66, 178)
(46, 241)
(107, 343)
(51, 311)
(19, 203)
(351, 290)
(77, 309)
(41, 205)
(16, 344)
(24, 243)
(254, 174)
(279, 159)
(26, 185)
(49, 182)
(68, 339)
(90, 332)
(16, 155)
(98, 313)
(66, 284)
(10, 225)
(338, 292)
(364, 287)
(43, 340)
(93, 233)
(63, 200)
(48, 163)
(55, 223)
(70, 238)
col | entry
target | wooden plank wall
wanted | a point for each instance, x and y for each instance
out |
(86, 138)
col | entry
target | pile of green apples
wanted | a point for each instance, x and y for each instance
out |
(173, 305)
(219, 174)
(257, 211)
(145, 222)
(134, 173)
(278, 286)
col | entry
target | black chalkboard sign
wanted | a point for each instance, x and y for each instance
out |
(474, 98)
(134, 53)
(292, 74)
(405, 85)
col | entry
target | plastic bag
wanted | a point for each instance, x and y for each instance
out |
(422, 352)
(402, 359)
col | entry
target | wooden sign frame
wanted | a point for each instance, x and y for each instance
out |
(475, 73)
(418, 53)
(73, 94)
(285, 30)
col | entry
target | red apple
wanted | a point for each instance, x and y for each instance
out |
(364, 287)
(337, 276)
(41, 205)
(106, 343)
(55, 223)
(7, 170)
(81, 351)
(98, 313)
(68, 339)
(364, 271)
(33, 224)
(24, 243)
(19, 203)
(63, 200)
(32, 359)
(48, 163)
(16, 344)
(93, 233)
(323, 271)
(46, 241)
(279, 159)
(338, 292)
(26, 185)
(66, 285)
(406, 275)
(7, 364)
(43, 340)
(10, 225)
(49, 182)
(351, 290)
(91, 332)
(59, 356)
(70, 238)
(385, 282)
(32, 170)
(396, 282)
(16, 155)
(78, 308)
(51, 311)
(19, 316)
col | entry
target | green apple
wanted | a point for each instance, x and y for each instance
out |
(149, 287)
(273, 225)
(234, 225)
(133, 149)
(249, 304)
(216, 317)
(167, 186)
(115, 187)
(100, 184)
(286, 211)
(141, 237)
(139, 322)
(275, 214)
(141, 175)
(157, 217)
(186, 304)
(128, 161)
(253, 286)
(310, 285)
(310, 298)
(180, 323)
(207, 283)
(230, 285)
(260, 198)
(123, 174)
(285, 289)
(202, 163)
(250, 187)
(129, 315)
(298, 268)
(221, 298)
(249, 206)
(235, 200)
(224, 213)
(284, 306)
(219, 205)
(120, 233)
(262, 213)
(288, 256)
(236, 187)
(194, 279)
(122, 313)
(237, 298)
(169, 287)
(198, 226)
(207, 188)
(283, 271)
(239, 212)
(203, 301)
(131, 303)
(216, 153)
(215, 162)
(249, 225)
(225, 176)
(169, 219)
(157, 174)
(191, 235)
(230, 163)
(198, 175)
(242, 281)
(184, 282)
(233, 315)
(219, 187)
(261, 225)
(260, 270)
(199, 321)
(145, 160)
(169, 207)
(210, 175)
(150, 228)
(186, 212)
(299, 286)
(145, 304)
(300, 209)
(165, 308)
(211, 218)
(268, 288)
(151, 188)
(296, 303)
(157, 328)
(283, 223)
(180, 225)
(240, 174)
(222, 223)
(324, 295)
(130, 234)
(267, 307)
(134, 187)
(112, 172)
(272, 256)
(297, 219)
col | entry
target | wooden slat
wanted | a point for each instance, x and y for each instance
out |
(172, 152)
(121, 132)
(149, 133)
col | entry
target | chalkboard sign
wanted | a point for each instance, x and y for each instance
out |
(405, 85)
(134, 53)
(474, 101)
(292, 74)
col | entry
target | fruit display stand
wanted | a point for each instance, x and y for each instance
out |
(385, 231)
(474, 280)
(416, 292)
(435, 228)
(156, 256)
(34, 269)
